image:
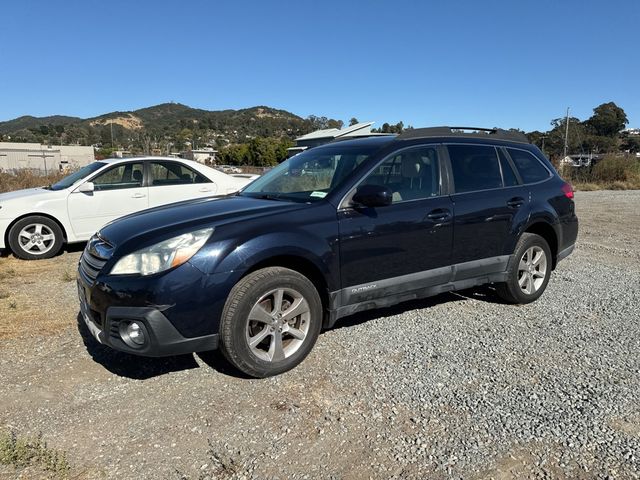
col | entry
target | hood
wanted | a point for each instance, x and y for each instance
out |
(21, 194)
(177, 218)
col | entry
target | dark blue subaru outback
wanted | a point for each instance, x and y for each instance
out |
(340, 228)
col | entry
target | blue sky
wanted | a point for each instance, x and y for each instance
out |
(491, 63)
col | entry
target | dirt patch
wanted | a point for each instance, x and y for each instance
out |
(130, 122)
(37, 298)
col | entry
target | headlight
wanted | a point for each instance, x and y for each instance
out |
(164, 255)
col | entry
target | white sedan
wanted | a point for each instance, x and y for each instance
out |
(36, 222)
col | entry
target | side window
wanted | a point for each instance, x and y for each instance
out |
(128, 175)
(411, 175)
(530, 168)
(475, 167)
(508, 175)
(174, 173)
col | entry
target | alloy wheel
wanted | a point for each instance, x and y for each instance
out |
(36, 239)
(532, 270)
(278, 324)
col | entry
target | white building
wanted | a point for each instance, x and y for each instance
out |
(320, 137)
(46, 158)
(205, 155)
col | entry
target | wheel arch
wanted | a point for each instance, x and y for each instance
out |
(303, 266)
(546, 231)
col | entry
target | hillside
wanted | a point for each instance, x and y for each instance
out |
(163, 127)
(28, 121)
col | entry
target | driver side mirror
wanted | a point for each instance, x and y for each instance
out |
(86, 187)
(373, 196)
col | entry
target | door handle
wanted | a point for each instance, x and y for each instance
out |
(439, 214)
(515, 202)
(138, 195)
(204, 190)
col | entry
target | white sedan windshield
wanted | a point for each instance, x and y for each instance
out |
(69, 180)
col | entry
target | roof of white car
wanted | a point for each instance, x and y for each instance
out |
(116, 160)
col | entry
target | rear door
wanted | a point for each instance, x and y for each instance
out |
(171, 182)
(119, 190)
(398, 248)
(489, 205)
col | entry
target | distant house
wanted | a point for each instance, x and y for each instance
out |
(581, 160)
(206, 155)
(121, 153)
(45, 158)
(320, 137)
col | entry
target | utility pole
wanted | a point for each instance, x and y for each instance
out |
(543, 137)
(566, 134)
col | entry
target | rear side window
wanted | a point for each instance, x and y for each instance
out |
(530, 168)
(475, 167)
(173, 173)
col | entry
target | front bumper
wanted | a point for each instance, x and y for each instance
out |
(162, 338)
(178, 311)
(4, 225)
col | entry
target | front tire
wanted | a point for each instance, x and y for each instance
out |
(35, 238)
(528, 271)
(270, 322)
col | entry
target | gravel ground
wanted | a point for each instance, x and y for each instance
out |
(457, 386)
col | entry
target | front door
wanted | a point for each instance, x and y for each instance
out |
(118, 191)
(403, 246)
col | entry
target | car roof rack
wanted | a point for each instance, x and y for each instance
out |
(467, 132)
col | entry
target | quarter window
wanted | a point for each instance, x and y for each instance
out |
(128, 175)
(173, 173)
(475, 167)
(411, 175)
(530, 168)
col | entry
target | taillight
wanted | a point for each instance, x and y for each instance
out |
(567, 189)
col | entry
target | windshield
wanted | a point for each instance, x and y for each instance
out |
(311, 175)
(69, 180)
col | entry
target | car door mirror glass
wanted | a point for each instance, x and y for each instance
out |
(373, 196)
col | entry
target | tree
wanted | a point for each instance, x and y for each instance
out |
(353, 121)
(607, 120)
(631, 144)
(387, 128)
(554, 141)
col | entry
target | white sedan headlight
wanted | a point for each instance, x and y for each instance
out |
(162, 256)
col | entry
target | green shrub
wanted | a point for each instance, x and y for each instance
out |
(613, 172)
(21, 452)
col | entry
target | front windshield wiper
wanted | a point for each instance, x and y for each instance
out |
(269, 196)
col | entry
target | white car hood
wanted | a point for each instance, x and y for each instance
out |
(30, 196)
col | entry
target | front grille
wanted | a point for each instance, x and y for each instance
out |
(95, 255)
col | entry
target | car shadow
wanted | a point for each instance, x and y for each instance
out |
(73, 247)
(142, 368)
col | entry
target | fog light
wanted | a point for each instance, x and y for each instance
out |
(133, 334)
(136, 334)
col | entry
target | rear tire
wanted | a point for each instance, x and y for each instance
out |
(270, 321)
(528, 270)
(35, 238)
